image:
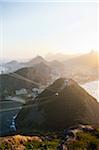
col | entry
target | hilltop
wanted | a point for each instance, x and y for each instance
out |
(61, 105)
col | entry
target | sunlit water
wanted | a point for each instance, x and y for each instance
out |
(92, 88)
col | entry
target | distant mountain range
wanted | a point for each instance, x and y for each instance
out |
(15, 65)
(10, 66)
(60, 57)
(62, 105)
(82, 69)
(86, 60)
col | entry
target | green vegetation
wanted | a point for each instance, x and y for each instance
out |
(5, 146)
(35, 145)
(45, 145)
(85, 141)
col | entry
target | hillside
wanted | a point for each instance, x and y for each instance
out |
(11, 82)
(25, 78)
(40, 72)
(61, 105)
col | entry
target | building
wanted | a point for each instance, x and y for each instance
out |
(21, 91)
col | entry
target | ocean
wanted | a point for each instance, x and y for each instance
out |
(92, 88)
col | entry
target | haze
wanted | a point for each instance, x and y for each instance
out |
(32, 28)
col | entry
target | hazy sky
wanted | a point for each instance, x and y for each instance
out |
(31, 28)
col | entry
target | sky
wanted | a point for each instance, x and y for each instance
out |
(35, 28)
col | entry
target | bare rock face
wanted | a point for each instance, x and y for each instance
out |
(61, 105)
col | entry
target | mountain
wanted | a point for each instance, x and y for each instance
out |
(88, 60)
(60, 106)
(40, 72)
(28, 78)
(83, 68)
(35, 61)
(12, 66)
(59, 57)
(13, 62)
